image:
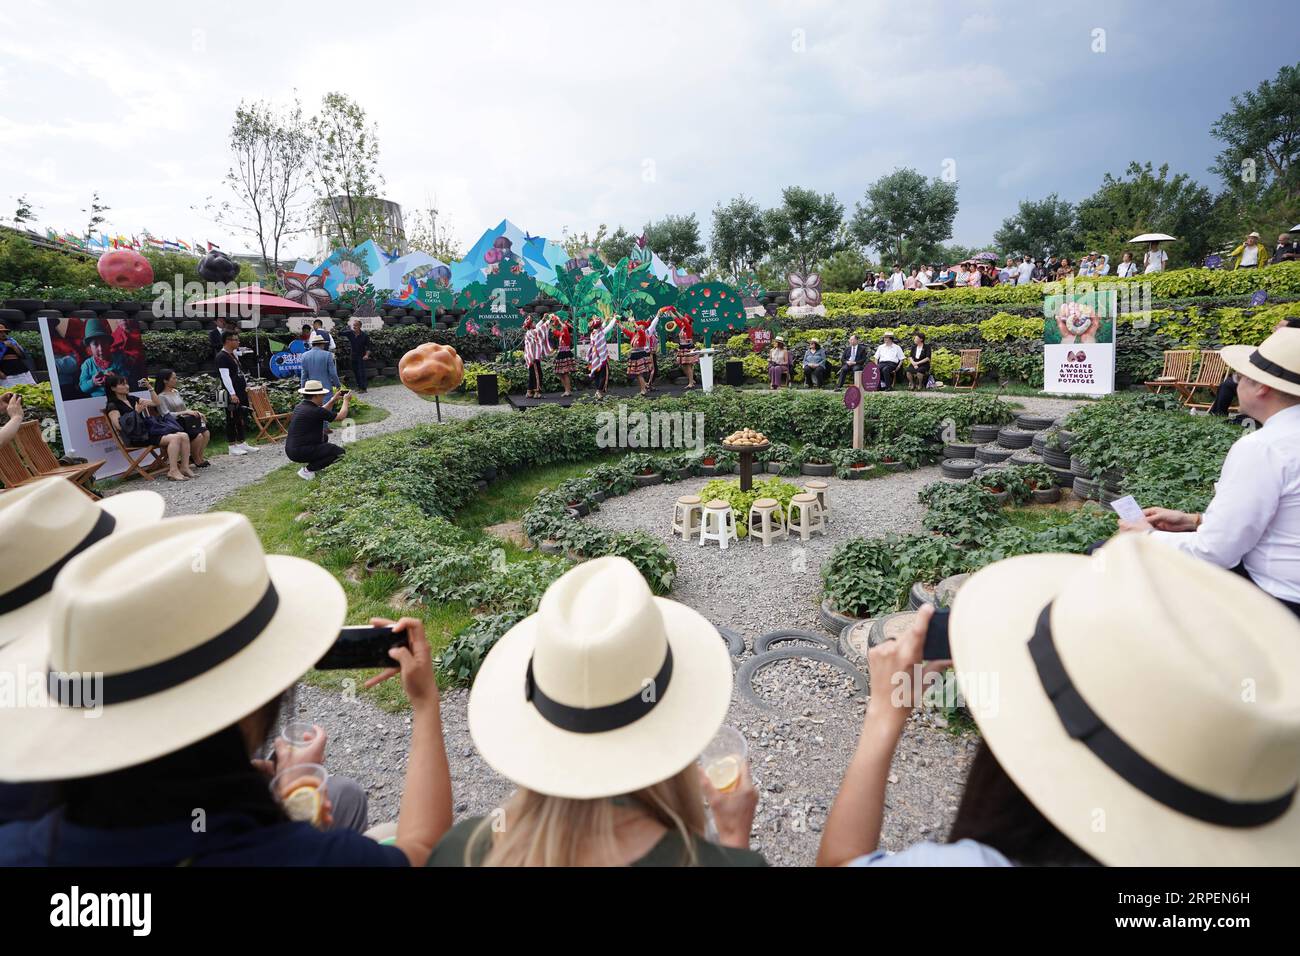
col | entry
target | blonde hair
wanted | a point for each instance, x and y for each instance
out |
(541, 830)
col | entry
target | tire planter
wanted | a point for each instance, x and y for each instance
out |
(1025, 457)
(889, 626)
(26, 306)
(1079, 468)
(894, 465)
(833, 620)
(1085, 488)
(1034, 423)
(1003, 498)
(959, 449)
(856, 474)
(1040, 440)
(599, 496)
(735, 642)
(776, 467)
(1064, 476)
(683, 473)
(745, 674)
(645, 481)
(1046, 496)
(1015, 438)
(1056, 458)
(813, 470)
(1108, 495)
(947, 589)
(1067, 439)
(580, 510)
(992, 454)
(920, 595)
(1112, 478)
(763, 643)
(958, 467)
(853, 643)
(983, 434)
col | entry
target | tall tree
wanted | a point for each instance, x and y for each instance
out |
(805, 228)
(577, 243)
(24, 213)
(1261, 136)
(1048, 225)
(739, 241)
(617, 246)
(271, 168)
(1147, 200)
(905, 216)
(676, 239)
(95, 214)
(426, 232)
(345, 157)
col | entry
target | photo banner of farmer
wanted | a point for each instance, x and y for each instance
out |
(80, 354)
(1079, 342)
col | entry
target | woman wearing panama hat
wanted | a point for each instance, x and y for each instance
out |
(137, 723)
(1121, 723)
(1252, 525)
(597, 707)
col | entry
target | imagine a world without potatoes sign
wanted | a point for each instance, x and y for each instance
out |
(1079, 342)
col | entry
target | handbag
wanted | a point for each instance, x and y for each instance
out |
(168, 424)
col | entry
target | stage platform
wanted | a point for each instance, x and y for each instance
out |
(616, 393)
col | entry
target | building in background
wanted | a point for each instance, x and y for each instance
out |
(390, 234)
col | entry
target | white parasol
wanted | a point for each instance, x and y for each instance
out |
(1153, 237)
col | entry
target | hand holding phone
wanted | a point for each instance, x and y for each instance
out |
(361, 647)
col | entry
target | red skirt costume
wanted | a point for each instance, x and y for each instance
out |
(686, 351)
(639, 362)
(564, 360)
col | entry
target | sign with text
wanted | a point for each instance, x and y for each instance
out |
(1079, 342)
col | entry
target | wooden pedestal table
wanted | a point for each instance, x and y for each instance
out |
(746, 453)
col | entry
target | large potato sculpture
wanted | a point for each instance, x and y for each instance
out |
(431, 369)
(125, 269)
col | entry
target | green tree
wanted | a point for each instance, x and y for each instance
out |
(739, 241)
(676, 240)
(578, 243)
(1147, 200)
(905, 216)
(804, 229)
(617, 246)
(345, 157)
(272, 155)
(951, 253)
(24, 213)
(95, 214)
(23, 263)
(1048, 225)
(842, 271)
(1261, 136)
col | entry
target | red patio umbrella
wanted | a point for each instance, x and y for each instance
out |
(251, 299)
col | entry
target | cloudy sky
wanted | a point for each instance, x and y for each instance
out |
(573, 114)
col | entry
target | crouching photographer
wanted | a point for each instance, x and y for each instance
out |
(308, 439)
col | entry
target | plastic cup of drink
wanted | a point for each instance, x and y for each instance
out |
(298, 733)
(724, 757)
(300, 789)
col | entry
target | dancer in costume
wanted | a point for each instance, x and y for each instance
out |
(687, 354)
(639, 363)
(598, 355)
(537, 344)
(564, 362)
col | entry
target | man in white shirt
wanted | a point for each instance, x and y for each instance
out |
(889, 357)
(897, 281)
(1253, 524)
(1154, 259)
(1026, 274)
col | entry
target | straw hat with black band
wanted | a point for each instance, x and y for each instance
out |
(1149, 729)
(116, 685)
(313, 387)
(606, 690)
(1276, 363)
(43, 526)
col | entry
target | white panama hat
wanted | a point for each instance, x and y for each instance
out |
(114, 683)
(44, 525)
(606, 690)
(1276, 363)
(1150, 729)
(313, 387)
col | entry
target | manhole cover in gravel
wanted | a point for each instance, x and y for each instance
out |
(792, 679)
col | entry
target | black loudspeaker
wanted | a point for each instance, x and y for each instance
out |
(487, 388)
(735, 373)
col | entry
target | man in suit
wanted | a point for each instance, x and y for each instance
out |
(215, 336)
(852, 359)
(318, 365)
(360, 343)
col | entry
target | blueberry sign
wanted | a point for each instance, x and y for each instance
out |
(1259, 298)
(286, 364)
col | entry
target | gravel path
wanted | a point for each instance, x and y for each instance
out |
(229, 473)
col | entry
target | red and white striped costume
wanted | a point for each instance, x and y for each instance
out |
(598, 354)
(537, 344)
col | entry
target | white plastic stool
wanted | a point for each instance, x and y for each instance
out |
(718, 516)
(810, 517)
(688, 515)
(823, 492)
(771, 525)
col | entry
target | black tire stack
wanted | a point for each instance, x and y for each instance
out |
(960, 469)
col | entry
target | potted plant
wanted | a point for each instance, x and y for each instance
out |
(778, 457)
(1042, 485)
(853, 463)
(644, 469)
(716, 460)
(815, 461)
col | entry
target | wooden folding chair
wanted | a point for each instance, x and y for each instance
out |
(41, 460)
(265, 417)
(970, 366)
(1177, 368)
(1210, 376)
(14, 473)
(140, 459)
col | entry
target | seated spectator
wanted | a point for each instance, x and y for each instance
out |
(605, 771)
(1285, 251)
(169, 401)
(778, 364)
(918, 367)
(1098, 705)
(11, 406)
(308, 440)
(814, 364)
(853, 359)
(184, 708)
(889, 357)
(14, 369)
(1252, 525)
(176, 443)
